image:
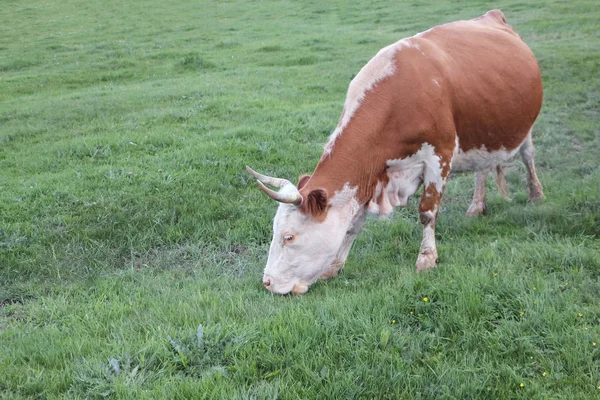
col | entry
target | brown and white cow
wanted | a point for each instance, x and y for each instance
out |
(461, 96)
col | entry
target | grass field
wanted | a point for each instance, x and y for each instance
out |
(132, 241)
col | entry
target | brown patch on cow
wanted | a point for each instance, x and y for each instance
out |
(430, 199)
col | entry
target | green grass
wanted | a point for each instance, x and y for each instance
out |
(127, 220)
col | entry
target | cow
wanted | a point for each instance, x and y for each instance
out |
(459, 97)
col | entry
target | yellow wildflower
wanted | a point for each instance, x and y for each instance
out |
(522, 385)
(393, 321)
(544, 373)
(594, 344)
(425, 299)
(522, 313)
(579, 315)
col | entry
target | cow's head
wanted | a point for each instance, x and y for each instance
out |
(312, 234)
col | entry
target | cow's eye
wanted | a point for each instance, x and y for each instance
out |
(288, 238)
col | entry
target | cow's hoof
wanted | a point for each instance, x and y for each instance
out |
(536, 193)
(536, 197)
(476, 209)
(426, 261)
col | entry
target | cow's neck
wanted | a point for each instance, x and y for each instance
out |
(348, 166)
(357, 154)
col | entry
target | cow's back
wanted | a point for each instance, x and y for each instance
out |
(489, 80)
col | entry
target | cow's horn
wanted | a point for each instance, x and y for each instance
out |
(290, 198)
(268, 180)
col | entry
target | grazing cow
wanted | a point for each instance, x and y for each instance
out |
(461, 96)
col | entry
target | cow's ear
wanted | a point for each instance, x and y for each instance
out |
(302, 181)
(315, 204)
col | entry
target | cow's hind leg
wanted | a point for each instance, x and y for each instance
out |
(501, 183)
(534, 186)
(429, 208)
(478, 205)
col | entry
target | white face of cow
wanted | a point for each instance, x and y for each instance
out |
(303, 248)
(312, 234)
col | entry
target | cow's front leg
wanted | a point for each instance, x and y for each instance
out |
(428, 214)
(428, 211)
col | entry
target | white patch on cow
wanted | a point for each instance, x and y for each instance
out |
(405, 175)
(478, 159)
(378, 68)
(428, 252)
(424, 163)
(294, 266)
(527, 148)
(428, 242)
(344, 196)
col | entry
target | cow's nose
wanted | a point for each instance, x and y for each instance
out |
(267, 282)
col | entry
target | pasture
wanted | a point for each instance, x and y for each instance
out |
(132, 240)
